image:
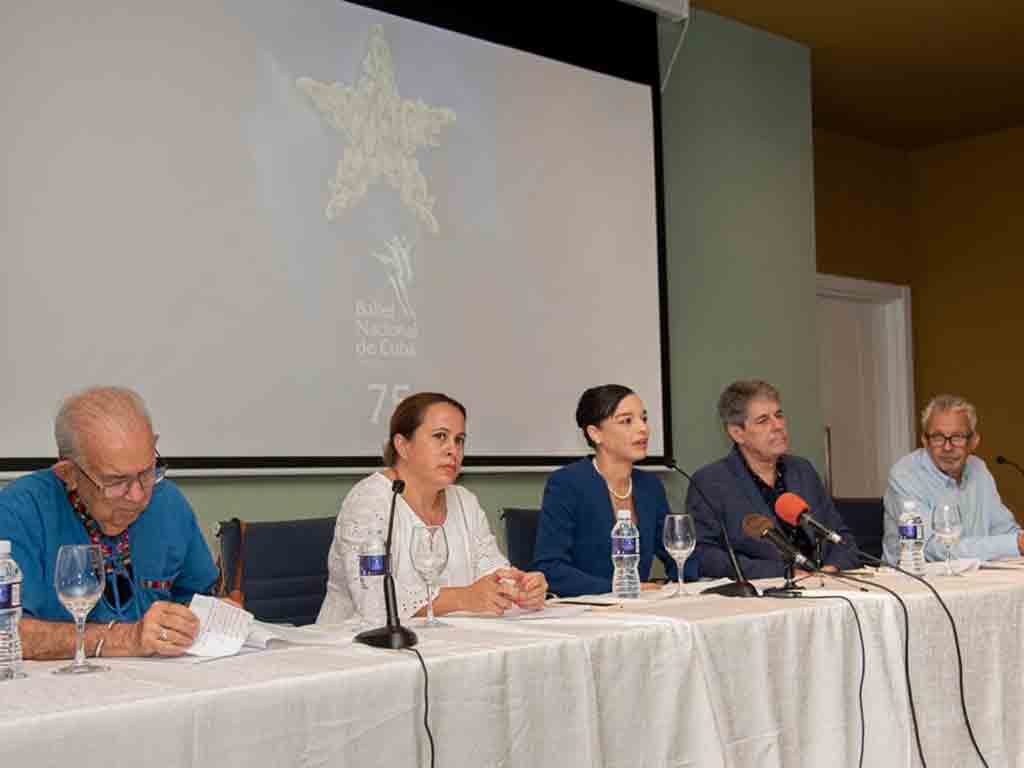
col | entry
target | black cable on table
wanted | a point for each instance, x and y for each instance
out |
(960, 669)
(426, 704)
(906, 658)
(956, 643)
(863, 660)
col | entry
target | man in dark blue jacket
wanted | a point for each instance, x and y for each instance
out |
(749, 479)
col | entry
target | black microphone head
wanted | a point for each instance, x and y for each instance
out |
(1000, 459)
(398, 485)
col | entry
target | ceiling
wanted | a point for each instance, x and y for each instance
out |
(905, 73)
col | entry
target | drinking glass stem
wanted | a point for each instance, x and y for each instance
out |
(949, 565)
(679, 573)
(430, 602)
(79, 642)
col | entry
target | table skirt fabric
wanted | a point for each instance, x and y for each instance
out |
(693, 681)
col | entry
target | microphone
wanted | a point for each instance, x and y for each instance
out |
(794, 510)
(393, 635)
(1014, 464)
(740, 587)
(762, 527)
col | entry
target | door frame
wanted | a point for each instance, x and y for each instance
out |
(899, 423)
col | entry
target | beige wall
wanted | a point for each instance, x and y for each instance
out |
(944, 221)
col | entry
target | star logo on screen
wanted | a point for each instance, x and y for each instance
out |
(383, 133)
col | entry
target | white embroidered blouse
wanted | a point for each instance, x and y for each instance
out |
(473, 550)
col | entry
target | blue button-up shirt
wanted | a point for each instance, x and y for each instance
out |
(989, 528)
(170, 559)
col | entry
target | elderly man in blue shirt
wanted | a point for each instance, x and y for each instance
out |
(106, 489)
(944, 470)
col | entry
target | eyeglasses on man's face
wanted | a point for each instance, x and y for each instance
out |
(117, 488)
(957, 439)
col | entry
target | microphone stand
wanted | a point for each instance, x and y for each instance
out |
(740, 587)
(1014, 464)
(790, 556)
(789, 587)
(819, 556)
(393, 635)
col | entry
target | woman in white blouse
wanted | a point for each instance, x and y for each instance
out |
(425, 449)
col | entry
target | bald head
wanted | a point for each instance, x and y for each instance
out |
(107, 413)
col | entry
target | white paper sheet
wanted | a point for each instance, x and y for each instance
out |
(262, 635)
(960, 566)
(518, 614)
(223, 627)
(1003, 564)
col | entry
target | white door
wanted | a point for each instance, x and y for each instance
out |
(866, 381)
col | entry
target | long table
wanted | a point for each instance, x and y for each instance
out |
(689, 681)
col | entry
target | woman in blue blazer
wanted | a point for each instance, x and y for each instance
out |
(573, 547)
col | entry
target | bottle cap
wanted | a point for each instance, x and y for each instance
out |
(5, 547)
(624, 514)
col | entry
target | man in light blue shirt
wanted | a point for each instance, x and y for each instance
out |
(944, 470)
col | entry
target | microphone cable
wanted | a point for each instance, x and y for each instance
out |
(906, 625)
(863, 660)
(956, 643)
(426, 704)
(906, 659)
(744, 588)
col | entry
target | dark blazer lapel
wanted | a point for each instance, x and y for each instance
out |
(598, 496)
(746, 482)
(645, 507)
(758, 548)
(796, 481)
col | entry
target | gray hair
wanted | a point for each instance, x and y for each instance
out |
(83, 411)
(946, 403)
(735, 399)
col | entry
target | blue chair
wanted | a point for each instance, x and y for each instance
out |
(865, 517)
(276, 570)
(520, 535)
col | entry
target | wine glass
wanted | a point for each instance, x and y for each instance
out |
(429, 559)
(680, 540)
(947, 527)
(79, 579)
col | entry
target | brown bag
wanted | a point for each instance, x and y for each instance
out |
(231, 558)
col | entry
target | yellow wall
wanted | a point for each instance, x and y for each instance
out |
(945, 221)
(862, 209)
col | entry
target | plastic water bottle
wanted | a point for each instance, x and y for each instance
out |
(911, 538)
(625, 555)
(371, 578)
(10, 611)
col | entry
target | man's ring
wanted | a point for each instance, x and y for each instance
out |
(163, 634)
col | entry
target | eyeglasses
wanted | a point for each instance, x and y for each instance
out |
(117, 489)
(957, 439)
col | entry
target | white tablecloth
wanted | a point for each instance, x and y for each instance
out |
(693, 681)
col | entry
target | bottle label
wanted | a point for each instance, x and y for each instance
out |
(910, 531)
(10, 595)
(624, 545)
(371, 565)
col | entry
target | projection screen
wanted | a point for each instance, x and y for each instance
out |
(274, 220)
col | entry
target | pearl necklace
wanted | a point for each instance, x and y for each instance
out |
(629, 488)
